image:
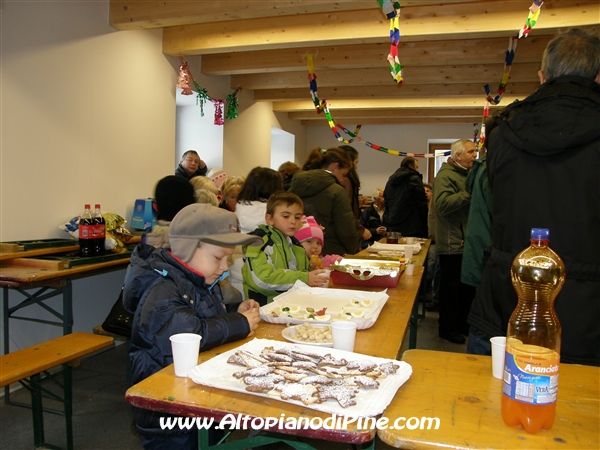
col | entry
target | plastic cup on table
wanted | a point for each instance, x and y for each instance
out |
(498, 350)
(185, 348)
(410, 240)
(344, 334)
(328, 273)
(410, 269)
(408, 252)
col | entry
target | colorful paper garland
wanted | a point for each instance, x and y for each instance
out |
(532, 18)
(391, 9)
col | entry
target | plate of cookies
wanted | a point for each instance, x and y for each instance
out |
(324, 379)
(309, 334)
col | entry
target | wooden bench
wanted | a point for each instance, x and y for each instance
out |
(26, 365)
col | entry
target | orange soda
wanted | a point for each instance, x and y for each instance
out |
(533, 337)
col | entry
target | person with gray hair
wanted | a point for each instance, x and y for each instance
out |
(543, 164)
(451, 210)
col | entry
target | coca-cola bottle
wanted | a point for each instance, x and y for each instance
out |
(98, 231)
(86, 241)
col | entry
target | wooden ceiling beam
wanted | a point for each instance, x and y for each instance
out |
(144, 14)
(391, 112)
(407, 90)
(400, 120)
(439, 22)
(387, 103)
(484, 73)
(426, 53)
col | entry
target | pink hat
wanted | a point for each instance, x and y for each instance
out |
(218, 176)
(310, 229)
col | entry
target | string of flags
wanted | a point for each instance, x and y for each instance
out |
(532, 18)
(230, 104)
(391, 9)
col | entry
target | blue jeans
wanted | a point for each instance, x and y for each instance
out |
(478, 345)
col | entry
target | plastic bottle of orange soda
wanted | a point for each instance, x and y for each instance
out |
(533, 337)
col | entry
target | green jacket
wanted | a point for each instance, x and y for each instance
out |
(326, 199)
(451, 208)
(479, 226)
(274, 267)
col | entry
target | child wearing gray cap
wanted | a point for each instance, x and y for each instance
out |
(176, 291)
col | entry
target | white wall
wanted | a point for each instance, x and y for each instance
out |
(375, 167)
(88, 115)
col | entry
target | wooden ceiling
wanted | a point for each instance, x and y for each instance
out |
(449, 50)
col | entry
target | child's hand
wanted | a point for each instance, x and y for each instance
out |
(253, 317)
(248, 305)
(317, 278)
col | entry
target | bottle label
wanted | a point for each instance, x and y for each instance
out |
(86, 231)
(529, 379)
(98, 231)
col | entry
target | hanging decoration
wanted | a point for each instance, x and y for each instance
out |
(532, 17)
(534, 13)
(321, 106)
(232, 105)
(391, 9)
(185, 78)
(185, 81)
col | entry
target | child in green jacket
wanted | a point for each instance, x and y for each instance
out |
(274, 267)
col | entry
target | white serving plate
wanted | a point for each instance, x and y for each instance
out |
(379, 247)
(334, 300)
(217, 373)
(290, 332)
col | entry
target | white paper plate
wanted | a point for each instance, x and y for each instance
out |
(378, 247)
(289, 333)
(334, 300)
(369, 402)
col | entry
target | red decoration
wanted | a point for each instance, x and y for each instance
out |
(185, 79)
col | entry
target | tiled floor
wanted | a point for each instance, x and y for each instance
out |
(103, 420)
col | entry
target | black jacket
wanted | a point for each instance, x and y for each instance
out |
(370, 219)
(180, 172)
(406, 203)
(168, 299)
(544, 171)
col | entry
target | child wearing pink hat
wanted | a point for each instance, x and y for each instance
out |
(310, 237)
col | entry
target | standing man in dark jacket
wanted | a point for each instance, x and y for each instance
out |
(405, 200)
(544, 165)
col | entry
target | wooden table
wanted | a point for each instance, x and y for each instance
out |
(181, 396)
(460, 390)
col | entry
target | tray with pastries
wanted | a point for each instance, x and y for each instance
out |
(325, 379)
(322, 305)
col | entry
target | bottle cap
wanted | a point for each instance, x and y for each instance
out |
(87, 206)
(97, 205)
(540, 234)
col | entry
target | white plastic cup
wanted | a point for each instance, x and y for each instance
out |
(410, 269)
(344, 334)
(498, 350)
(185, 348)
(328, 274)
(408, 251)
(410, 240)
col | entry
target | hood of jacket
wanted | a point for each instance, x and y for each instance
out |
(402, 175)
(534, 126)
(311, 182)
(149, 264)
